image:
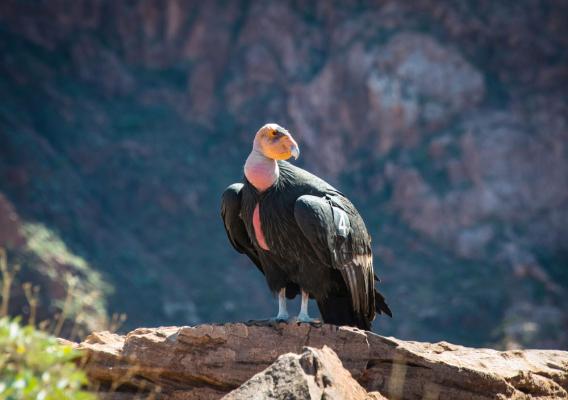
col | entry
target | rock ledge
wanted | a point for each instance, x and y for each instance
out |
(209, 361)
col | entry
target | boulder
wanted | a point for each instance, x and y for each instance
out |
(314, 374)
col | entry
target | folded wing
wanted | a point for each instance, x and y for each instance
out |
(338, 236)
(234, 226)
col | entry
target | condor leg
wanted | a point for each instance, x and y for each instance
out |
(282, 311)
(303, 315)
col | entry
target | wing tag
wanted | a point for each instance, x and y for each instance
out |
(341, 222)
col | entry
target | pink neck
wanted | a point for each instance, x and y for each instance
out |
(262, 172)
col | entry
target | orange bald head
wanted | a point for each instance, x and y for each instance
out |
(276, 143)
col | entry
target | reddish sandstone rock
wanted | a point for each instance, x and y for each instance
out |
(208, 361)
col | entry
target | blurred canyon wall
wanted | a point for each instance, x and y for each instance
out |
(446, 123)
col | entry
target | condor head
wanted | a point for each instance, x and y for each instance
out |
(276, 143)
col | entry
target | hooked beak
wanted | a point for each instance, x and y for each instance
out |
(295, 151)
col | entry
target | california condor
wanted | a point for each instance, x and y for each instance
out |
(303, 234)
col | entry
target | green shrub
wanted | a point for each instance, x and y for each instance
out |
(33, 365)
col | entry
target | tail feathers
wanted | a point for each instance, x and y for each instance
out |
(380, 304)
(339, 311)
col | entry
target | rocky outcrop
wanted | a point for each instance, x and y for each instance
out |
(209, 361)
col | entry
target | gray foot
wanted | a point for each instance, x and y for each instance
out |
(304, 318)
(283, 317)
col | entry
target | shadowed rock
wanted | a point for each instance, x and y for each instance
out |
(208, 361)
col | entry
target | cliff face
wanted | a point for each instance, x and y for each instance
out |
(445, 122)
(287, 360)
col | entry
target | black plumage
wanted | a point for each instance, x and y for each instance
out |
(317, 241)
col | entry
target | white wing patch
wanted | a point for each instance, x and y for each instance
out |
(341, 222)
